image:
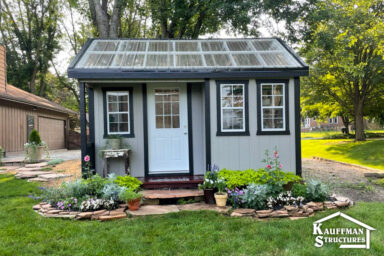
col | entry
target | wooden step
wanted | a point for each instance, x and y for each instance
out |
(171, 194)
(172, 182)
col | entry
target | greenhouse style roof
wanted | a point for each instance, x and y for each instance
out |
(127, 58)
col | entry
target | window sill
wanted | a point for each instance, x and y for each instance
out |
(245, 133)
(132, 135)
(273, 132)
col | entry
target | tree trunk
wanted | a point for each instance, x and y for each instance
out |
(359, 122)
(346, 123)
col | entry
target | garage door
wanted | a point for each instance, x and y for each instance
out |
(52, 131)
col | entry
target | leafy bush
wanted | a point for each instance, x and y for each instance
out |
(75, 189)
(129, 182)
(34, 137)
(129, 195)
(241, 179)
(95, 185)
(255, 196)
(112, 191)
(316, 191)
(379, 182)
(299, 190)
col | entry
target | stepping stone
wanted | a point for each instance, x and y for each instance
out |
(154, 210)
(197, 207)
(52, 176)
(37, 180)
(167, 194)
(29, 174)
(113, 217)
(43, 164)
(24, 169)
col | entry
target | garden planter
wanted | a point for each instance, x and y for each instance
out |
(114, 143)
(221, 199)
(134, 205)
(35, 154)
(209, 197)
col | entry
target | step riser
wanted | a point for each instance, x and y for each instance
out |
(169, 186)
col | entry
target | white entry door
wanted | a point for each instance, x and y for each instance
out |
(168, 129)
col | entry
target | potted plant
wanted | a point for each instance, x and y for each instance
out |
(210, 179)
(34, 147)
(114, 142)
(221, 196)
(132, 198)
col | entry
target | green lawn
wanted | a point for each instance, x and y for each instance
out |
(324, 134)
(23, 232)
(368, 153)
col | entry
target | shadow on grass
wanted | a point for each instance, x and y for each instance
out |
(366, 153)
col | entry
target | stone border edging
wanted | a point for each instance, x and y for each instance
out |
(292, 212)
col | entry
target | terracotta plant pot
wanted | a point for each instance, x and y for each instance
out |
(134, 205)
(35, 154)
(221, 199)
(209, 197)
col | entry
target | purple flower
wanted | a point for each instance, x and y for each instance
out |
(42, 188)
(75, 200)
(62, 207)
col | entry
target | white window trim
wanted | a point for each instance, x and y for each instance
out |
(118, 93)
(272, 107)
(222, 108)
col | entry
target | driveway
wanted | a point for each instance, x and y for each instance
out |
(54, 154)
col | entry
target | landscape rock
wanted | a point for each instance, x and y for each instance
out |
(31, 169)
(341, 204)
(113, 217)
(52, 176)
(154, 210)
(37, 180)
(43, 164)
(309, 211)
(264, 213)
(279, 214)
(329, 205)
(29, 174)
(53, 211)
(36, 207)
(84, 215)
(291, 209)
(243, 212)
(316, 206)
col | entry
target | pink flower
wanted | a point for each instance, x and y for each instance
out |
(281, 166)
(269, 166)
(275, 153)
(87, 158)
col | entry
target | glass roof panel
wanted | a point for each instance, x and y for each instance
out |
(159, 60)
(223, 60)
(238, 46)
(246, 59)
(134, 46)
(160, 46)
(183, 54)
(187, 46)
(189, 60)
(275, 59)
(214, 46)
(265, 45)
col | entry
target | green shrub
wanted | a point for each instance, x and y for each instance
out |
(112, 191)
(34, 137)
(129, 195)
(129, 182)
(379, 182)
(255, 196)
(316, 191)
(95, 185)
(299, 190)
(241, 179)
(55, 162)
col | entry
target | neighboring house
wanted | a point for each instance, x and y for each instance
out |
(331, 123)
(20, 112)
(184, 105)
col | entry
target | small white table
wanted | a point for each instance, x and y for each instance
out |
(115, 153)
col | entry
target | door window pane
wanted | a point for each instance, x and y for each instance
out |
(167, 108)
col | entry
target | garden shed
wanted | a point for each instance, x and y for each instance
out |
(184, 105)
